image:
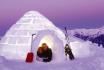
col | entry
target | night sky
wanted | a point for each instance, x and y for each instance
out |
(73, 13)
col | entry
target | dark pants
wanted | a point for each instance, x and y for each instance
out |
(46, 55)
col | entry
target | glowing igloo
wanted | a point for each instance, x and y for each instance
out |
(17, 41)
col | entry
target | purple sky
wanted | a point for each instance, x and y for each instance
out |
(74, 13)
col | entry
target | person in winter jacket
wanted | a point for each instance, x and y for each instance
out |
(45, 53)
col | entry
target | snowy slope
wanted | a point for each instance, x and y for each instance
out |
(93, 35)
(94, 62)
(87, 32)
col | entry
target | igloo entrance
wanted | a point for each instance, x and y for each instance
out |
(44, 52)
(48, 39)
(52, 41)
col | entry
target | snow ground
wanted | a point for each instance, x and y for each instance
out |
(94, 62)
(78, 64)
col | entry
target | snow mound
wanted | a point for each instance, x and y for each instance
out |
(17, 41)
(80, 49)
(87, 32)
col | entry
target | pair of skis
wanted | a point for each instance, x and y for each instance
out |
(66, 35)
(71, 56)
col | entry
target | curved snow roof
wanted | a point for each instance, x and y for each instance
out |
(18, 37)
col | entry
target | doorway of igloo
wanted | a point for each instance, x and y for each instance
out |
(53, 42)
(45, 49)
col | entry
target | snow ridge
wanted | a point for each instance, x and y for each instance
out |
(93, 35)
(87, 32)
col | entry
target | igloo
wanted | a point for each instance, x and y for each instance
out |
(17, 41)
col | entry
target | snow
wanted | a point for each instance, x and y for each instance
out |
(80, 49)
(57, 47)
(87, 57)
(94, 62)
(17, 41)
(48, 40)
(87, 32)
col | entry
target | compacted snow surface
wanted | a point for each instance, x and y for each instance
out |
(78, 64)
(92, 62)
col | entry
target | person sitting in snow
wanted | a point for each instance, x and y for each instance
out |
(39, 54)
(44, 53)
(68, 51)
